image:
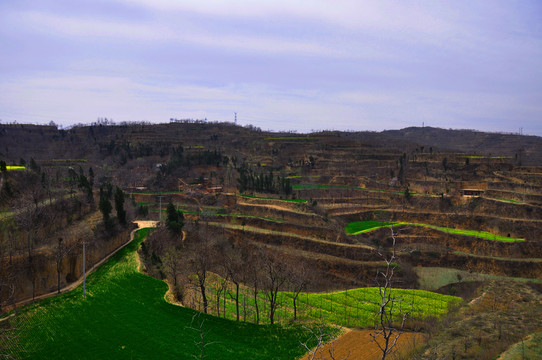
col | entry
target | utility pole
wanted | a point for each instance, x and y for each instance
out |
(160, 212)
(84, 271)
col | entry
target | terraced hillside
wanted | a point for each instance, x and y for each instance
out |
(330, 201)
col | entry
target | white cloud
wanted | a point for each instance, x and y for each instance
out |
(279, 64)
(354, 14)
(181, 32)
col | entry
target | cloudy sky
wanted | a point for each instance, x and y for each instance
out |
(280, 64)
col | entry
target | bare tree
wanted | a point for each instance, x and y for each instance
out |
(10, 329)
(273, 282)
(221, 289)
(28, 220)
(298, 280)
(234, 268)
(253, 265)
(390, 306)
(62, 251)
(200, 264)
(203, 341)
(172, 264)
(7, 278)
(202, 259)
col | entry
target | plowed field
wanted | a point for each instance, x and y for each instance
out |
(358, 344)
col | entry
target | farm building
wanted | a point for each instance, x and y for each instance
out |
(472, 189)
(472, 192)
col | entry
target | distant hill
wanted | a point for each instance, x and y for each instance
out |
(529, 148)
(47, 142)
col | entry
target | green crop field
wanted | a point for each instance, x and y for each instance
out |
(356, 307)
(11, 167)
(125, 316)
(359, 227)
(487, 157)
(510, 201)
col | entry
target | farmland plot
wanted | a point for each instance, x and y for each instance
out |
(125, 316)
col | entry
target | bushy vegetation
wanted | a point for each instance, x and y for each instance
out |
(529, 348)
(502, 314)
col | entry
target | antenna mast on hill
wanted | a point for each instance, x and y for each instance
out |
(235, 118)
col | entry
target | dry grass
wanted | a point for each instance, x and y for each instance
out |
(502, 315)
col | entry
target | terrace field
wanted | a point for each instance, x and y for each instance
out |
(360, 227)
(347, 190)
(433, 278)
(350, 308)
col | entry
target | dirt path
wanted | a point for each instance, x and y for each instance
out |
(276, 207)
(358, 344)
(257, 230)
(139, 223)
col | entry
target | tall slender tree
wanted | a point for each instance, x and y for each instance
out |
(175, 219)
(119, 205)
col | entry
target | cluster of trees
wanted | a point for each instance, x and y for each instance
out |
(36, 237)
(106, 192)
(82, 182)
(250, 181)
(46, 205)
(27, 238)
(126, 150)
(181, 159)
(174, 219)
(6, 190)
(188, 265)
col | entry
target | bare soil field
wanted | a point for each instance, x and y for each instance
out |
(358, 344)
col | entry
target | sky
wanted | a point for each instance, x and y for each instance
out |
(283, 65)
